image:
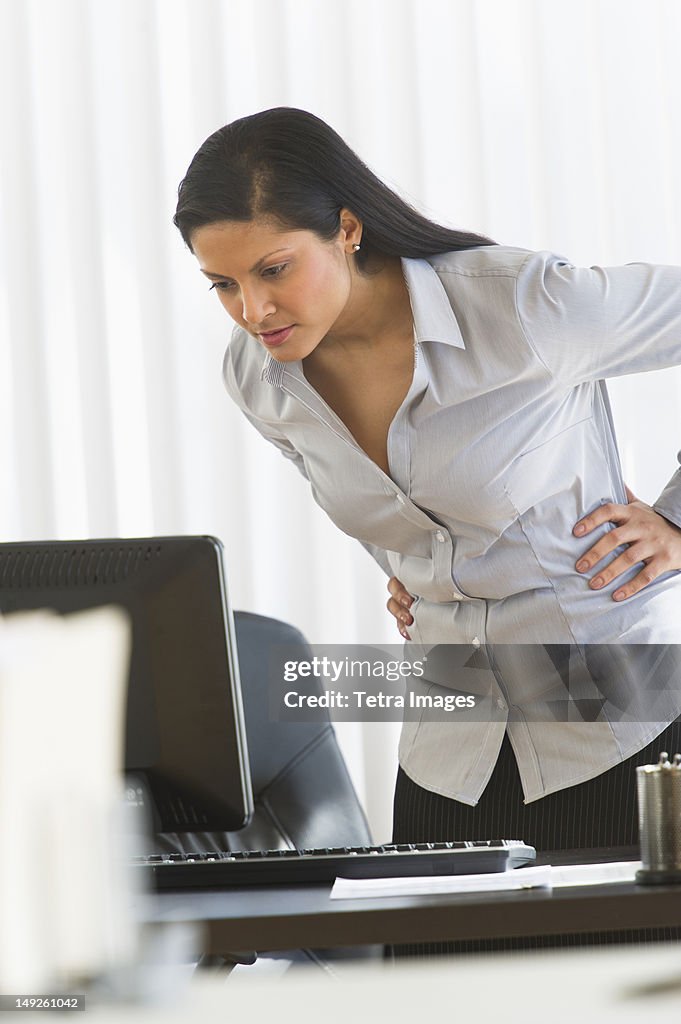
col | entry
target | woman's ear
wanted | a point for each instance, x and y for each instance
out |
(351, 228)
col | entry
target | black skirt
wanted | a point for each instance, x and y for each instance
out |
(595, 814)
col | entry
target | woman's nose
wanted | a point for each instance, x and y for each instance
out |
(256, 307)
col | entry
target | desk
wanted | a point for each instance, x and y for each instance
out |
(622, 986)
(278, 917)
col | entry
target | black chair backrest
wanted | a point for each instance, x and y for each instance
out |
(304, 797)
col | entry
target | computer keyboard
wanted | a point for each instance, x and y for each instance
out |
(177, 871)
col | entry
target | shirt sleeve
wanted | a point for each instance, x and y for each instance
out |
(289, 452)
(669, 502)
(589, 323)
(379, 556)
(269, 433)
(287, 449)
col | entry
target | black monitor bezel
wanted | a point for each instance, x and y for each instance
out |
(68, 576)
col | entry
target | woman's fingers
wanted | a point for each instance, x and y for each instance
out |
(398, 605)
(648, 538)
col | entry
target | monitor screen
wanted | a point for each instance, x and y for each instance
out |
(185, 736)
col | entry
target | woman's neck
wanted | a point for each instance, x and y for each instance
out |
(377, 310)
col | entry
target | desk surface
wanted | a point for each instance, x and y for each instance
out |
(270, 918)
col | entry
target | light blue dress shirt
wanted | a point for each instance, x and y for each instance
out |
(503, 442)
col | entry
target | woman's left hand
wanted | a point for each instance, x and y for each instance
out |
(650, 538)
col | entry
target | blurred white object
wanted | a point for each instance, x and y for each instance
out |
(63, 887)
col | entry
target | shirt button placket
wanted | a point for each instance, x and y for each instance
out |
(441, 558)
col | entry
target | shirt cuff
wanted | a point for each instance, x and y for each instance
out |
(669, 502)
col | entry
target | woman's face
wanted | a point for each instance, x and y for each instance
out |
(269, 279)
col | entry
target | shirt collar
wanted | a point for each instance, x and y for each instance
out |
(434, 318)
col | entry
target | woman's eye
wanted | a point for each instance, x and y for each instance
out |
(274, 271)
(225, 286)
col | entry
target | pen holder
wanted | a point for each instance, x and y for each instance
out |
(659, 816)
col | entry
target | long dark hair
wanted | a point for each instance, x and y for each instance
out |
(289, 166)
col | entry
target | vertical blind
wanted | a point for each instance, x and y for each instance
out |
(543, 124)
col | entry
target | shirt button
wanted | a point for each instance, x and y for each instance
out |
(399, 499)
(476, 641)
(440, 535)
(501, 704)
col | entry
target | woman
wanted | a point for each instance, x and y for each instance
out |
(444, 396)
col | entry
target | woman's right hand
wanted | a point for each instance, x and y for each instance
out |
(398, 605)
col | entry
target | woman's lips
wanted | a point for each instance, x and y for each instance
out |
(277, 337)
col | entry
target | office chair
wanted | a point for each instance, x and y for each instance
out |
(303, 795)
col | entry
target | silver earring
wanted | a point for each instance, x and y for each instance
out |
(355, 247)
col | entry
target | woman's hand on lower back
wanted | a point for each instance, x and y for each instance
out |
(398, 605)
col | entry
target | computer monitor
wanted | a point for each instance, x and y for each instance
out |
(185, 736)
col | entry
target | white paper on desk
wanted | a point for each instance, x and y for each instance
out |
(594, 874)
(520, 878)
